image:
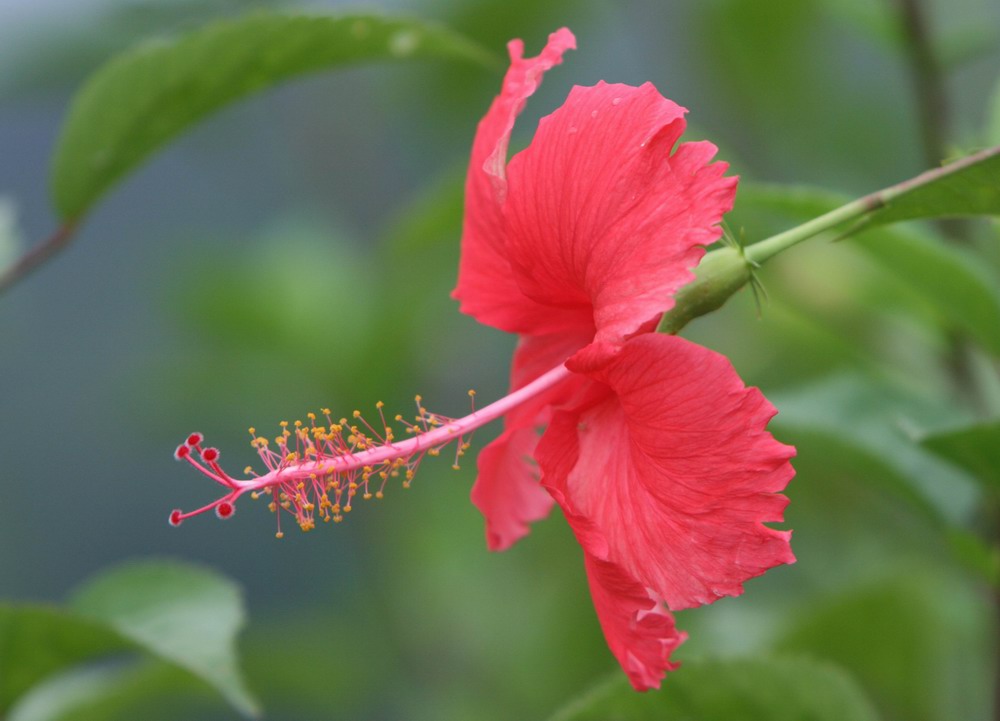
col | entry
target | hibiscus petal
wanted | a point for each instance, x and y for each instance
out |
(486, 286)
(507, 491)
(600, 216)
(675, 470)
(640, 632)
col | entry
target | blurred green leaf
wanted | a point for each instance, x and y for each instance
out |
(186, 615)
(879, 421)
(915, 643)
(975, 448)
(111, 692)
(776, 689)
(959, 286)
(37, 641)
(62, 696)
(142, 99)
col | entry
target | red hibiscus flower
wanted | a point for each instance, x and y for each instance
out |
(653, 447)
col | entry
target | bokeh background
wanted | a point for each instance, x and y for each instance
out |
(297, 251)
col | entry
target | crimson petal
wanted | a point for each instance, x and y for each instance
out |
(604, 217)
(675, 471)
(486, 288)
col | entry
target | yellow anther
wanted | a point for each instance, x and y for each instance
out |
(247, 471)
(472, 393)
(325, 411)
(379, 404)
(406, 484)
(399, 418)
(378, 494)
(298, 424)
(367, 496)
(311, 416)
(347, 508)
(283, 424)
(357, 414)
(251, 430)
(455, 467)
(279, 535)
(271, 507)
(255, 495)
(418, 398)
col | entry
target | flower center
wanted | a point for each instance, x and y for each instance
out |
(316, 470)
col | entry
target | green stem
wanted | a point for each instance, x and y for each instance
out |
(857, 209)
(723, 272)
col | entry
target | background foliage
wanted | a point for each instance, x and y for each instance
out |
(297, 249)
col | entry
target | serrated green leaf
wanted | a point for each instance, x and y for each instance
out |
(975, 448)
(186, 615)
(958, 286)
(760, 689)
(140, 100)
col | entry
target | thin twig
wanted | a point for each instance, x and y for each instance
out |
(928, 83)
(36, 256)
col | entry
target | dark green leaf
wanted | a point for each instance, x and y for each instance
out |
(954, 282)
(140, 100)
(183, 614)
(777, 689)
(975, 448)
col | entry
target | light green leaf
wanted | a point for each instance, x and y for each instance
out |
(140, 100)
(761, 689)
(975, 448)
(183, 614)
(957, 285)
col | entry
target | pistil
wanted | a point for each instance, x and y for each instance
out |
(318, 470)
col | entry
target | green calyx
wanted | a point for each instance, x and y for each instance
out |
(721, 273)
